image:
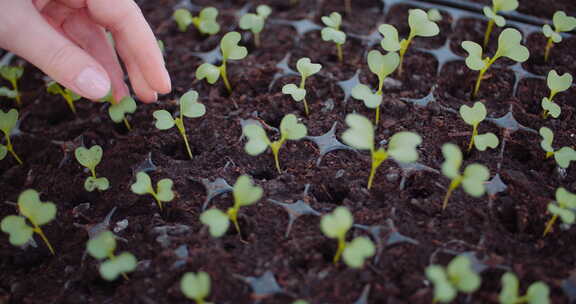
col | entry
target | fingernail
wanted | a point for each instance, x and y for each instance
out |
(92, 83)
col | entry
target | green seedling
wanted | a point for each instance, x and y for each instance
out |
(565, 208)
(143, 186)
(245, 193)
(537, 293)
(434, 15)
(306, 69)
(12, 74)
(8, 121)
(230, 51)
(556, 84)
(205, 22)
(420, 25)
(562, 23)
(255, 22)
(333, 33)
(32, 211)
(196, 286)
(54, 88)
(102, 247)
(563, 156)
(508, 46)
(90, 158)
(493, 18)
(189, 107)
(360, 135)
(458, 276)
(118, 110)
(473, 179)
(474, 116)
(290, 129)
(335, 226)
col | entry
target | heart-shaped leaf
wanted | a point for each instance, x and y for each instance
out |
(474, 59)
(230, 48)
(509, 46)
(473, 115)
(474, 178)
(123, 263)
(336, 36)
(443, 290)
(257, 139)
(11, 73)
(263, 10)
(89, 158)
(118, 111)
(551, 107)
(35, 210)
(252, 22)
(6, 92)
(402, 146)
(461, 274)
(245, 192)
(164, 120)
(3, 151)
(143, 184)
(8, 120)
(195, 286)
(558, 83)
(208, 71)
(216, 220)
(487, 140)
(307, 68)
(564, 156)
(189, 105)
(383, 65)
(360, 133)
(567, 215)
(489, 13)
(505, 5)
(434, 15)
(333, 21)
(566, 198)
(297, 93)
(452, 162)
(183, 18)
(207, 23)
(420, 25)
(509, 292)
(20, 233)
(547, 139)
(550, 33)
(102, 245)
(390, 41)
(165, 193)
(101, 184)
(365, 94)
(562, 22)
(336, 224)
(291, 128)
(357, 251)
(538, 293)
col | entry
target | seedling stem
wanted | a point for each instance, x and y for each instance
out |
(453, 185)
(339, 52)
(14, 83)
(488, 33)
(550, 224)
(127, 124)
(11, 149)
(341, 246)
(474, 133)
(481, 76)
(403, 48)
(302, 83)
(549, 46)
(378, 157)
(225, 77)
(39, 231)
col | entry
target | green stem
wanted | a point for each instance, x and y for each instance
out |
(549, 46)
(303, 86)
(549, 154)
(339, 52)
(158, 202)
(182, 130)
(341, 246)
(225, 77)
(474, 133)
(14, 83)
(127, 124)
(403, 51)
(453, 185)
(488, 33)
(233, 215)
(39, 231)
(112, 257)
(377, 158)
(275, 147)
(377, 117)
(70, 103)
(549, 225)
(11, 149)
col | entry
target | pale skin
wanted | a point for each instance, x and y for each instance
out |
(67, 40)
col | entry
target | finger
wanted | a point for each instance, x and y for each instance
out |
(144, 92)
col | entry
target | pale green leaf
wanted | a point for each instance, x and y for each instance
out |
(383, 65)
(195, 286)
(452, 162)
(557, 83)
(164, 120)
(20, 233)
(263, 10)
(330, 34)
(8, 120)
(89, 158)
(142, 185)
(165, 193)
(3, 151)
(505, 5)
(252, 22)
(461, 274)
(566, 198)
(102, 245)
(297, 93)
(307, 68)
(550, 33)
(509, 45)
(183, 18)
(564, 156)
(6, 92)
(360, 134)
(100, 183)
(257, 139)
(421, 25)
(434, 15)
(245, 192)
(230, 48)
(547, 138)
(207, 21)
(216, 220)
(562, 22)
(443, 291)
(208, 71)
(390, 42)
(484, 141)
(402, 146)
(365, 94)
(35, 210)
(474, 177)
(291, 128)
(567, 215)
(123, 263)
(473, 115)
(118, 111)
(189, 105)
(336, 224)
(553, 108)
(12, 73)
(538, 293)
(357, 251)
(474, 59)
(509, 292)
(333, 21)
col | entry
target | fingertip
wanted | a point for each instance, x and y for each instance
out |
(148, 97)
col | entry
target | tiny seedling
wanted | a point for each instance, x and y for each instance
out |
(556, 84)
(32, 211)
(12, 74)
(565, 208)
(102, 247)
(143, 186)
(563, 156)
(189, 107)
(255, 22)
(434, 15)
(118, 110)
(493, 18)
(562, 23)
(458, 276)
(420, 25)
(90, 158)
(54, 88)
(205, 22)
(245, 193)
(8, 121)
(335, 225)
(537, 293)
(473, 179)
(196, 286)
(508, 46)
(360, 135)
(230, 51)
(474, 116)
(306, 69)
(290, 129)
(333, 33)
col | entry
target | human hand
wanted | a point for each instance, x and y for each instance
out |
(66, 39)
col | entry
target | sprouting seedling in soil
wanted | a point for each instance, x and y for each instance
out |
(474, 116)
(290, 129)
(255, 22)
(556, 84)
(493, 18)
(196, 286)
(333, 33)
(90, 158)
(205, 22)
(420, 25)
(189, 107)
(458, 276)
(563, 156)
(306, 69)
(245, 193)
(360, 135)
(335, 225)
(54, 88)
(8, 121)
(562, 23)
(12, 74)
(508, 46)
(473, 178)
(118, 110)
(143, 186)
(230, 51)
(537, 293)
(34, 211)
(102, 247)
(565, 208)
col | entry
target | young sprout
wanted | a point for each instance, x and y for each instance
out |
(508, 46)
(563, 156)
(245, 193)
(205, 22)
(474, 116)
(562, 23)
(492, 14)
(565, 208)
(457, 276)
(54, 88)
(102, 247)
(420, 25)
(434, 15)
(333, 33)
(556, 84)
(306, 69)
(143, 185)
(255, 22)
(360, 135)
(8, 121)
(473, 179)
(290, 129)
(12, 74)
(196, 286)
(90, 158)
(335, 225)
(230, 51)
(189, 107)
(537, 293)
(32, 211)
(118, 110)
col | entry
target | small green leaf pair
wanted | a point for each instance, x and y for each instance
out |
(306, 69)
(54, 88)
(556, 84)
(457, 276)
(333, 33)
(565, 209)
(102, 247)
(118, 111)
(563, 156)
(143, 186)
(196, 286)
(492, 14)
(90, 158)
(8, 121)
(562, 23)
(205, 22)
(255, 22)
(537, 293)
(12, 74)
(474, 116)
